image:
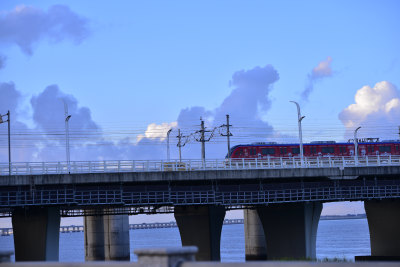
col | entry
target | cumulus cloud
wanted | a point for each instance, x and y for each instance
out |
(45, 141)
(322, 70)
(48, 110)
(249, 97)
(251, 89)
(25, 26)
(10, 100)
(9, 97)
(157, 131)
(374, 107)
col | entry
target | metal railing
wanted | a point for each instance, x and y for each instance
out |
(29, 168)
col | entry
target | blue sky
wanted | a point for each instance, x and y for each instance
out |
(144, 61)
(128, 64)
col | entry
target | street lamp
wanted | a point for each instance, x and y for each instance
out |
(67, 117)
(168, 156)
(356, 146)
(299, 119)
(9, 142)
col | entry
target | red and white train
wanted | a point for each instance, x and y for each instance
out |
(366, 147)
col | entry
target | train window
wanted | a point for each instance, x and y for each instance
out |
(328, 150)
(283, 150)
(295, 150)
(384, 149)
(313, 150)
(370, 149)
(253, 151)
(239, 153)
(267, 151)
(342, 149)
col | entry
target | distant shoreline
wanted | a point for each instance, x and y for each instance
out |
(344, 217)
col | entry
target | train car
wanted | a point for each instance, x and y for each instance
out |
(366, 147)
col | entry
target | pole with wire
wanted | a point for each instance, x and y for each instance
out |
(9, 139)
(203, 142)
(9, 143)
(228, 134)
(180, 144)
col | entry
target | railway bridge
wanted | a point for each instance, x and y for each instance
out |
(281, 197)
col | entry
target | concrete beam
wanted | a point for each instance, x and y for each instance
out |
(201, 226)
(208, 175)
(255, 246)
(36, 234)
(291, 229)
(383, 222)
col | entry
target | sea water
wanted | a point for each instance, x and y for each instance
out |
(341, 239)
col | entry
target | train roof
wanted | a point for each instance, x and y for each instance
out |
(316, 143)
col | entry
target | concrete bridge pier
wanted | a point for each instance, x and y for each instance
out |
(94, 238)
(255, 247)
(116, 242)
(107, 238)
(383, 222)
(201, 226)
(36, 233)
(290, 229)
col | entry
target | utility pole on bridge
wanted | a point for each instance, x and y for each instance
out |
(228, 133)
(180, 145)
(9, 141)
(203, 140)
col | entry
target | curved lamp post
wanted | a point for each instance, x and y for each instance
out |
(168, 156)
(299, 119)
(356, 146)
(67, 117)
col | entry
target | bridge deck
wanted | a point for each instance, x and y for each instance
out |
(237, 184)
(37, 168)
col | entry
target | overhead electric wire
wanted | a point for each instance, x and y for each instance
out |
(242, 133)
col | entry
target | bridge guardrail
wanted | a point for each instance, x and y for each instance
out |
(29, 168)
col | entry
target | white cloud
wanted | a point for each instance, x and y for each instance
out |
(322, 70)
(374, 107)
(157, 131)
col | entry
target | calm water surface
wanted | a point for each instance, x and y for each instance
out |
(335, 239)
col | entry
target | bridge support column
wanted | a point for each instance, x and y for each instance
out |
(94, 238)
(291, 229)
(255, 247)
(107, 238)
(384, 227)
(116, 231)
(36, 234)
(201, 226)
